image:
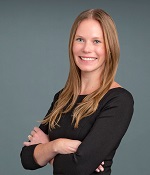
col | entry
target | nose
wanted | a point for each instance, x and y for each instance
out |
(87, 47)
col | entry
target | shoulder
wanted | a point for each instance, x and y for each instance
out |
(56, 96)
(120, 92)
(118, 95)
(117, 90)
(118, 102)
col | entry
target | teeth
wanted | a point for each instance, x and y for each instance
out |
(83, 58)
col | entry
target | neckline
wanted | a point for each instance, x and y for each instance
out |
(84, 95)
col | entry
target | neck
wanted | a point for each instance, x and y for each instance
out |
(89, 83)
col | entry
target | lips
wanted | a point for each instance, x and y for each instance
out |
(88, 58)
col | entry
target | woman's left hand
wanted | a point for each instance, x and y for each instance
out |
(37, 136)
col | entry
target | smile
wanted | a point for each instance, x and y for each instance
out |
(87, 58)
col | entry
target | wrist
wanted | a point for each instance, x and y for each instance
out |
(55, 146)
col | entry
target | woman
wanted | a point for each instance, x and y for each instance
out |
(91, 114)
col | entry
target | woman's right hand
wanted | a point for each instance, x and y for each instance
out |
(66, 146)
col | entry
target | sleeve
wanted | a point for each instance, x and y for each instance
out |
(103, 138)
(26, 155)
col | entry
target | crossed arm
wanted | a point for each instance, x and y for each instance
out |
(46, 150)
(105, 136)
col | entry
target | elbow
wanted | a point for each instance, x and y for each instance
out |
(25, 165)
(24, 162)
(27, 159)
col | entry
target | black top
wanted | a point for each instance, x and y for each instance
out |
(100, 134)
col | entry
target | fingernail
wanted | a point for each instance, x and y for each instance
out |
(102, 169)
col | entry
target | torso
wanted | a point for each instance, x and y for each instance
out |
(116, 96)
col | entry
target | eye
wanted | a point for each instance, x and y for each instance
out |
(97, 41)
(79, 39)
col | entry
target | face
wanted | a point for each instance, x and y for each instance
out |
(88, 47)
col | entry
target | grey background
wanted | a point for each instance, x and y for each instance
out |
(34, 66)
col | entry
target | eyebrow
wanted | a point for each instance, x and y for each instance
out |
(96, 37)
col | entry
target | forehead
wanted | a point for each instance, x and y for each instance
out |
(89, 26)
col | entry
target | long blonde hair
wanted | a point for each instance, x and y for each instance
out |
(68, 96)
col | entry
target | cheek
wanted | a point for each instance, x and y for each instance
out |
(100, 51)
(76, 48)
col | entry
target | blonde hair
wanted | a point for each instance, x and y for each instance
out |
(68, 96)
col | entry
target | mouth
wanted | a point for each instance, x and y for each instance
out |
(87, 58)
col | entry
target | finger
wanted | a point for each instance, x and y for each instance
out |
(97, 170)
(26, 143)
(32, 133)
(102, 163)
(29, 137)
(101, 168)
(36, 129)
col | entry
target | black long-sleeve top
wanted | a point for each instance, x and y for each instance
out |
(100, 134)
